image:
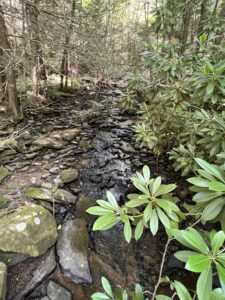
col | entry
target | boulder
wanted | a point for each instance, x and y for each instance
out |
(64, 196)
(3, 174)
(39, 193)
(3, 275)
(69, 175)
(57, 292)
(29, 230)
(72, 250)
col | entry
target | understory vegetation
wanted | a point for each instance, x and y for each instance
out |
(168, 59)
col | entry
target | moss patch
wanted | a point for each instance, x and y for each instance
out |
(3, 174)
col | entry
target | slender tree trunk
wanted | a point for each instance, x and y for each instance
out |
(65, 57)
(38, 68)
(185, 25)
(8, 73)
(203, 16)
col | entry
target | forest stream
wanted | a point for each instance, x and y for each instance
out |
(64, 158)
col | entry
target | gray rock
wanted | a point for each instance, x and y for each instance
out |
(54, 170)
(3, 275)
(46, 267)
(57, 292)
(72, 249)
(69, 175)
(64, 196)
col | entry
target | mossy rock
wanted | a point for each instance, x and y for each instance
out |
(4, 202)
(47, 142)
(38, 193)
(3, 174)
(3, 276)
(64, 196)
(69, 175)
(29, 230)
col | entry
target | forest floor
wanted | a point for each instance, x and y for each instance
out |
(89, 133)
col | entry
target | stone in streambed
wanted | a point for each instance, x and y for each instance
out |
(72, 250)
(3, 174)
(64, 196)
(57, 292)
(45, 267)
(69, 175)
(39, 193)
(3, 275)
(48, 142)
(4, 202)
(29, 230)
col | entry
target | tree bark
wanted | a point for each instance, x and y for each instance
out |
(203, 16)
(65, 57)
(8, 74)
(38, 71)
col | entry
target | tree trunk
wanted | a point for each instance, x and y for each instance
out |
(65, 57)
(8, 73)
(38, 68)
(203, 16)
(185, 25)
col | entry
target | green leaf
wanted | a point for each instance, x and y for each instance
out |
(217, 294)
(106, 286)
(146, 173)
(217, 186)
(154, 222)
(184, 255)
(165, 189)
(211, 169)
(136, 203)
(104, 204)
(221, 272)
(139, 230)
(206, 196)
(156, 185)
(198, 181)
(204, 284)
(98, 210)
(162, 297)
(163, 218)
(218, 241)
(106, 222)
(100, 296)
(127, 231)
(181, 290)
(148, 212)
(112, 200)
(167, 205)
(198, 263)
(213, 209)
(194, 238)
(210, 88)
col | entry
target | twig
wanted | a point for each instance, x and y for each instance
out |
(161, 268)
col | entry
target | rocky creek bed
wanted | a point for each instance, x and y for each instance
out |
(63, 158)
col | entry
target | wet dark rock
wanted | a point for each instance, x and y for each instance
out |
(57, 292)
(72, 249)
(45, 267)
